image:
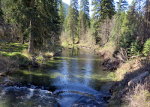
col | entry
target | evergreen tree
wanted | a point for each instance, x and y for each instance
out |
(121, 7)
(107, 9)
(147, 18)
(84, 18)
(72, 24)
(102, 9)
(38, 19)
(1, 12)
(61, 13)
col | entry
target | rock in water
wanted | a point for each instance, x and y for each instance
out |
(26, 97)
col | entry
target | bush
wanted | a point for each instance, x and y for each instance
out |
(146, 50)
(126, 40)
(135, 49)
(21, 59)
(7, 65)
(139, 97)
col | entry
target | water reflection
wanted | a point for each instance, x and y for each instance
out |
(74, 74)
(76, 70)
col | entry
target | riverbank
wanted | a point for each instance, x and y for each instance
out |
(19, 53)
(132, 79)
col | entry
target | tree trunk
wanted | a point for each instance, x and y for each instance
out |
(31, 39)
(32, 27)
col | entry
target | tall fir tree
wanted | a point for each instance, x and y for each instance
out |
(61, 14)
(72, 23)
(84, 17)
(38, 19)
(1, 12)
(102, 9)
(121, 8)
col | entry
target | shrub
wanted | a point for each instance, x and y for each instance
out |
(7, 65)
(146, 50)
(125, 40)
(135, 49)
(20, 59)
(139, 97)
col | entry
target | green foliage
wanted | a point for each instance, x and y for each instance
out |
(37, 19)
(72, 21)
(21, 59)
(126, 35)
(1, 11)
(126, 40)
(146, 50)
(102, 10)
(84, 17)
(135, 49)
(61, 14)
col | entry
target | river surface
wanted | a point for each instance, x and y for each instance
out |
(74, 79)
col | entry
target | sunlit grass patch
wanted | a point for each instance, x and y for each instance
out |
(26, 53)
(129, 66)
(12, 49)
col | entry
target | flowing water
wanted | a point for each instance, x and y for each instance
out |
(73, 79)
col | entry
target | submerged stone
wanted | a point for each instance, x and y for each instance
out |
(26, 97)
(88, 102)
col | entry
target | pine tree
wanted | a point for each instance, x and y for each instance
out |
(84, 18)
(61, 14)
(121, 7)
(147, 18)
(102, 9)
(107, 9)
(72, 24)
(37, 19)
(1, 12)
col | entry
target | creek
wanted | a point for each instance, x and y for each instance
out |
(73, 79)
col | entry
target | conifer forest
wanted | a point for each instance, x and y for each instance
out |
(74, 53)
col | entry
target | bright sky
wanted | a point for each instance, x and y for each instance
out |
(68, 1)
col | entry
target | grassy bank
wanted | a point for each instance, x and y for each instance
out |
(129, 76)
(132, 87)
(19, 53)
(16, 52)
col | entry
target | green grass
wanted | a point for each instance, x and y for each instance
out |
(15, 51)
(12, 49)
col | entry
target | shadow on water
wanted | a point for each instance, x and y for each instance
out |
(74, 79)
